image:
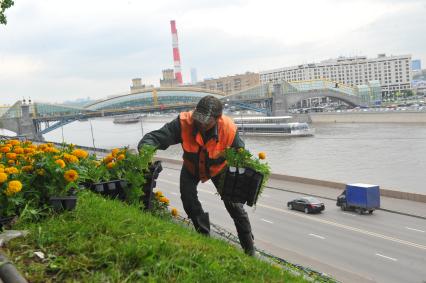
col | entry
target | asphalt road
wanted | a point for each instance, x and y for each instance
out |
(382, 247)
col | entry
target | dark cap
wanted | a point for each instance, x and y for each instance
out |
(208, 107)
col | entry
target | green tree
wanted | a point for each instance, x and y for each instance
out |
(4, 4)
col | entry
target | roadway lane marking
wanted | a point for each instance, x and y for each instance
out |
(353, 215)
(387, 257)
(317, 236)
(415, 229)
(173, 193)
(267, 221)
(350, 228)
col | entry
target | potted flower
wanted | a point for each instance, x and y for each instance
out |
(247, 182)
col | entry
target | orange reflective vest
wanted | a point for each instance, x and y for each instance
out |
(205, 159)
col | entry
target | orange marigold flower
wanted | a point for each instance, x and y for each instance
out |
(5, 149)
(71, 175)
(175, 212)
(108, 158)
(1, 170)
(115, 151)
(158, 194)
(11, 155)
(164, 200)
(27, 168)
(29, 150)
(42, 147)
(80, 153)
(111, 165)
(262, 155)
(60, 162)
(13, 187)
(14, 142)
(121, 157)
(33, 146)
(70, 158)
(3, 177)
(18, 150)
(11, 170)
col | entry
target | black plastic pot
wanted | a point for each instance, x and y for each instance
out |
(63, 203)
(150, 184)
(242, 187)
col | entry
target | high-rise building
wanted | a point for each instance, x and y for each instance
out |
(393, 72)
(232, 84)
(194, 78)
(416, 65)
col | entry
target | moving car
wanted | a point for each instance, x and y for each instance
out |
(306, 204)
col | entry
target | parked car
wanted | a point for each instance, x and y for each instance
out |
(306, 204)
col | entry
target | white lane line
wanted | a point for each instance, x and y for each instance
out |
(317, 236)
(415, 229)
(350, 228)
(353, 215)
(173, 193)
(268, 221)
(387, 257)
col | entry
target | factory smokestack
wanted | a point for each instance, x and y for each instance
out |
(176, 55)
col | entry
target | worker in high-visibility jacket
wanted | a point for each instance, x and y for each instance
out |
(204, 134)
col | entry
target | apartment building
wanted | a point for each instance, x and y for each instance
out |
(393, 72)
(232, 84)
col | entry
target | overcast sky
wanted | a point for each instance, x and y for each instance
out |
(57, 50)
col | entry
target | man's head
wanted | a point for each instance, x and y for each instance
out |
(207, 111)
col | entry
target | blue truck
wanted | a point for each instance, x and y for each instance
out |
(360, 197)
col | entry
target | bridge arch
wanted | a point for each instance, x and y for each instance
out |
(154, 96)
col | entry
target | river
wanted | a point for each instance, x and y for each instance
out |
(390, 155)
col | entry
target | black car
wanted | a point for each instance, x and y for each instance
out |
(306, 204)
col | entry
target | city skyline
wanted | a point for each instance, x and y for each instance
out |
(57, 51)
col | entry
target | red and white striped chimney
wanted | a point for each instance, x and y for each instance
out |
(176, 55)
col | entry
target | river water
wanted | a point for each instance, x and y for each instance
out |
(390, 155)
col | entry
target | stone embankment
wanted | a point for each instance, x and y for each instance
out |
(369, 117)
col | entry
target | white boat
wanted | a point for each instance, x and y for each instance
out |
(126, 119)
(279, 126)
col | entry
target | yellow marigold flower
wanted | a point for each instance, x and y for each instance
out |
(18, 150)
(1, 166)
(51, 149)
(33, 146)
(80, 153)
(5, 149)
(11, 162)
(29, 150)
(158, 194)
(11, 155)
(41, 172)
(111, 165)
(50, 144)
(108, 158)
(241, 150)
(71, 175)
(164, 200)
(70, 158)
(115, 151)
(121, 157)
(3, 177)
(60, 162)
(1, 170)
(42, 147)
(262, 155)
(175, 212)
(27, 168)
(11, 170)
(14, 142)
(13, 187)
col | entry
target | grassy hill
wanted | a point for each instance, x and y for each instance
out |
(108, 241)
